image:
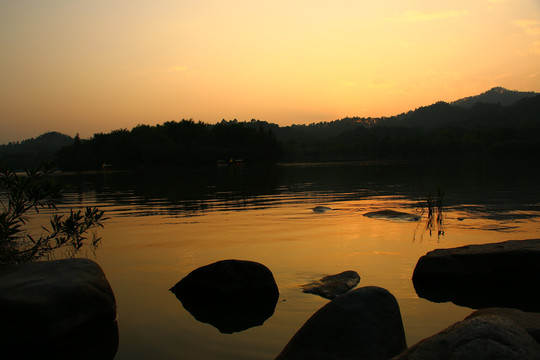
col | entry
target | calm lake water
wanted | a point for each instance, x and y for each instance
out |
(163, 225)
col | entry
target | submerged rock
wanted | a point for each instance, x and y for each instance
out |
(480, 338)
(321, 209)
(231, 295)
(392, 215)
(491, 275)
(57, 309)
(332, 286)
(362, 324)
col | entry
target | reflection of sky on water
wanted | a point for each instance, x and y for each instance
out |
(163, 226)
(193, 194)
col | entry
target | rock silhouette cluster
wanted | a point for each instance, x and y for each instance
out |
(61, 307)
(366, 324)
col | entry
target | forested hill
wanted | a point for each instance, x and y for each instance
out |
(496, 95)
(438, 130)
(33, 152)
(524, 112)
(173, 145)
(497, 107)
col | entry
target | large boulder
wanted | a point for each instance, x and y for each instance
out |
(477, 276)
(332, 286)
(529, 321)
(392, 215)
(231, 295)
(362, 324)
(54, 308)
(479, 338)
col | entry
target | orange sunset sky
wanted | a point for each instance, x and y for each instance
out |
(87, 66)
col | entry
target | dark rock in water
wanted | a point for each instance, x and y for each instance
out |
(63, 309)
(529, 321)
(392, 215)
(477, 276)
(514, 260)
(484, 337)
(321, 209)
(362, 324)
(231, 295)
(332, 286)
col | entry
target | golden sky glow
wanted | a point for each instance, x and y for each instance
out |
(95, 66)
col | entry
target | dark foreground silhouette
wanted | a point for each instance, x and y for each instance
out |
(231, 295)
(479, 276)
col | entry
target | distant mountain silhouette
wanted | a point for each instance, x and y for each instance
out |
(439, 114)
(518, 110)
(496, 95)
(494, 108)
(499, 123)
(441, 129)
(33, 152)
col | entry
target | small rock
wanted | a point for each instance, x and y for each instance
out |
(321, 209)
(332, 286)
(362, 324)
(392, 215)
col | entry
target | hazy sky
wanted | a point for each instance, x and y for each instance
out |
(92, 66)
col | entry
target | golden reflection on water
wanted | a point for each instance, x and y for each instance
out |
(143, 256)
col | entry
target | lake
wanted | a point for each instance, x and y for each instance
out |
(163, 225)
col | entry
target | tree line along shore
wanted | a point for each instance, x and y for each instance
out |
(440, 130)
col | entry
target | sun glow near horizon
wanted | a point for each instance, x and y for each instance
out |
(91, 67)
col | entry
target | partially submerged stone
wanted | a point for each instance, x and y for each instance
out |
(362, 324)
(52, 307)
(321, 209)
(332, 286)
(492, 275)
(484, 337)
(392, 215)
(231, 295)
